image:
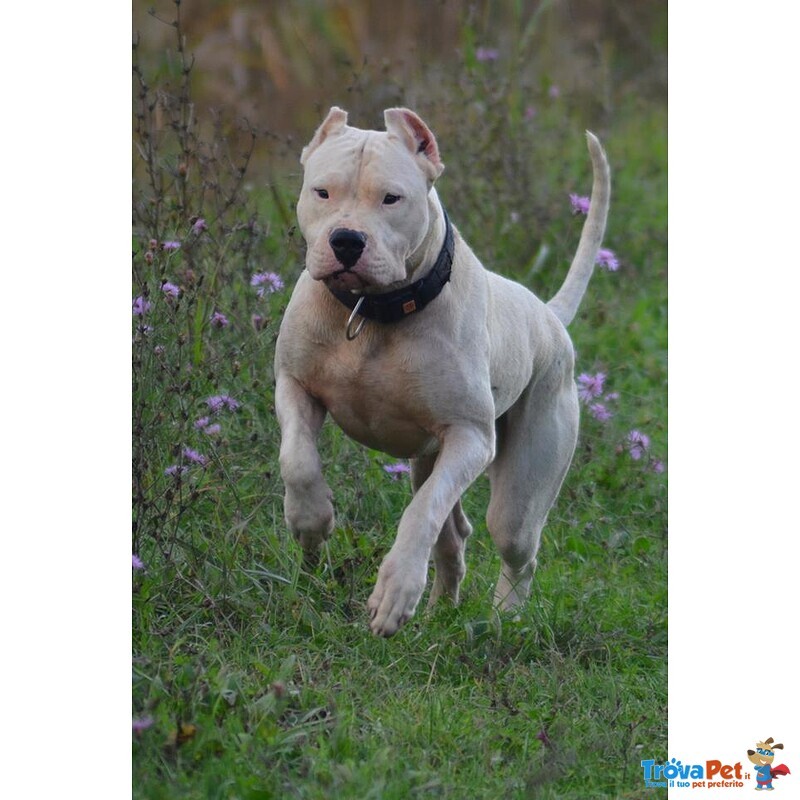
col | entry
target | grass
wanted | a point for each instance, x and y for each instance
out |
(258, 679)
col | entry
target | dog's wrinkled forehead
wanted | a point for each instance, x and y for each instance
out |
(348, 146)
(357, 159)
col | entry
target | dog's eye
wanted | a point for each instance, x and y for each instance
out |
(323, 193)
(391, 199)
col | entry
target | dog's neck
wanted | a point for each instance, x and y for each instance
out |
(424, 257)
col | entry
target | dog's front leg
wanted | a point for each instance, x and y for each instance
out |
(465, 453)
(307, 502)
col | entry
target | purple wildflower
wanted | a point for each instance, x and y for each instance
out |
(175, 470)
(580, 204)
(140, 306)
(267, 283)
(487, 54)
(396, 470)
(141, 724)
(600, 412)
(170, 245)
(202, 423)
(220, 401)
(638, 442)
(170, 289)
(258, 322)
(137, 562)
(199, 225)
(194, 456)
(212, 430)
(554, 92)
(219, 320)
(607, 260)
(590, 386)
(657, 466)
(612, 396)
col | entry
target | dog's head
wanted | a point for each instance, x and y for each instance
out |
(364, 207)
(764, 752)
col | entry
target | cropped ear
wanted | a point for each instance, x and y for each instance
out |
(417, 136)
(332, 124)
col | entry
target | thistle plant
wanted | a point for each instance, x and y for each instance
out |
(203, 267)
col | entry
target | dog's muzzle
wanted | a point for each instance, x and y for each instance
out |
(347, 246)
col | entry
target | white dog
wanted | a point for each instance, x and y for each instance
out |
(399, 333)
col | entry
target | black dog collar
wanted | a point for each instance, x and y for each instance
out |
(399, 303)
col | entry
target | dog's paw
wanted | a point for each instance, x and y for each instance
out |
(395, 597)
(310, 517)
(512, 588)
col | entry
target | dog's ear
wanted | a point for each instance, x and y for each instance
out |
(334, 123)
(417, 136)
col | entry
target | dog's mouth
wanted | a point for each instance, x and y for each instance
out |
(347, 281)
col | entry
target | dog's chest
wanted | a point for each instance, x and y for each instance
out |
(376, 394)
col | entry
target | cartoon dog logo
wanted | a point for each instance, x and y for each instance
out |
(762, 757)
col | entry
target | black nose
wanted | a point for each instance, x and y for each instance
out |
(347, 246)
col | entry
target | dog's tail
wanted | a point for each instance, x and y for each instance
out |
(565, 304)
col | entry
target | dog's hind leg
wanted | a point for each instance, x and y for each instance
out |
(448, 552)
(535, 441)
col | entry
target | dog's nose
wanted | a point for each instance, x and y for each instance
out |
(347, 246)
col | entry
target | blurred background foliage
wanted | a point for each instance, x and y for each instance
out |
(281, 65)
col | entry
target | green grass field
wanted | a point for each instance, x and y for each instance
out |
(253, 678)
